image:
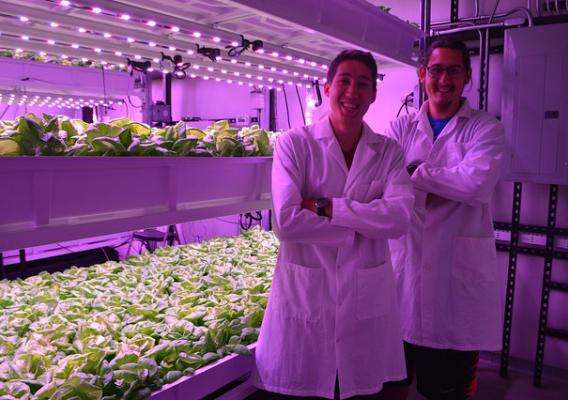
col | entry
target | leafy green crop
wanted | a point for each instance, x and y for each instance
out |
(122, 330)
(30, 135)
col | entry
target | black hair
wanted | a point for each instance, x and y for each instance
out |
(449, 43)
(363, 56)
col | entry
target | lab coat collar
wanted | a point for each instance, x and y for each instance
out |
(421, 117)
(368, 143)
(464, 111)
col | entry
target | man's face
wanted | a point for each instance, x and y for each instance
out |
(351, 91)
(444, 77)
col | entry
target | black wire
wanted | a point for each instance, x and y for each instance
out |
(4, 112)
(104, 83)
(130, 101)
(404, 104)
(287, 110)
(300, 102)
(249, 219)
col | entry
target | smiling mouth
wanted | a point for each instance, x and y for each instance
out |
(349, 106)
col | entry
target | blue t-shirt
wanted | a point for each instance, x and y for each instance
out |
(438, 125)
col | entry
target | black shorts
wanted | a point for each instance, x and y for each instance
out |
(441, 374)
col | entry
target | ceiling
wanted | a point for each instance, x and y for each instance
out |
(299, 37)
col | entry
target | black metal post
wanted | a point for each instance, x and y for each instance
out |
(272, 110)
(546, 281)
(511, 276)
(454, 11)
(23, 263)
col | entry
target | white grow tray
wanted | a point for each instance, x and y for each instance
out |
(53, 199)
(210, 379)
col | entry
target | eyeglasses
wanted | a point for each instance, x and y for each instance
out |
(453, 72)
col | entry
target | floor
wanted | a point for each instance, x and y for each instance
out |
(518, 386)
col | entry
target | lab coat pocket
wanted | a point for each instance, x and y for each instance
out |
(474, 259)
(374, 289)
(298, 292)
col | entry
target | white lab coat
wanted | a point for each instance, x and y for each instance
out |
(446, 267)
(332, 307)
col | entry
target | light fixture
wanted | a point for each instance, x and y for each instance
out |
(125, 17)
(151, 23)
(53, 24)
(174, 29)
(140, 66)
(96, 10)
(235, 50)
(174, 64)
(209, 52)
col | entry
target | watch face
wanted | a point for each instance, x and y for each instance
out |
(322, 203)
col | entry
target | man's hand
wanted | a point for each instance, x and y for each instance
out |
(434, 200)
(310, 204)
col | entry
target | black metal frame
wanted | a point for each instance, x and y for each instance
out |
(454, 11)
(549, 253)
(511, 277)
(543, 331)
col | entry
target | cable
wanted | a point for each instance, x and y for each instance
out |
(104, 83)
(287, 110)
(301, 106)
(248, 220)
(495, 10)
(5, 111)
(405, 103)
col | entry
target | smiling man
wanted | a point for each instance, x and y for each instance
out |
(446, 267)
(339, 191)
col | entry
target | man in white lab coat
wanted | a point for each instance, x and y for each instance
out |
(446, 267)
(339, 191)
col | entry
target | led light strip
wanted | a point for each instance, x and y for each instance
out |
(197, 30)
(53, 100)
(143, 40)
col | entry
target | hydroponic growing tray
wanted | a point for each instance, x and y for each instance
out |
(52, 199)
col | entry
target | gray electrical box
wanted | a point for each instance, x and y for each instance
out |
(534, 105)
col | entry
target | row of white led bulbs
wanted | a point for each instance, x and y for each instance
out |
(175, 29)
(197, 67)
(59, 102)
(157, 61)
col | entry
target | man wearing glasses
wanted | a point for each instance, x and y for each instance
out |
(446, 267)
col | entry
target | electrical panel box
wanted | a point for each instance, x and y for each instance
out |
(534, 105)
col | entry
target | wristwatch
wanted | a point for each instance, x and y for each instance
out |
(321, 204)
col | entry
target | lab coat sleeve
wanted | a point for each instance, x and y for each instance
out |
(387, 217)
(292, 223)
(473, 180)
